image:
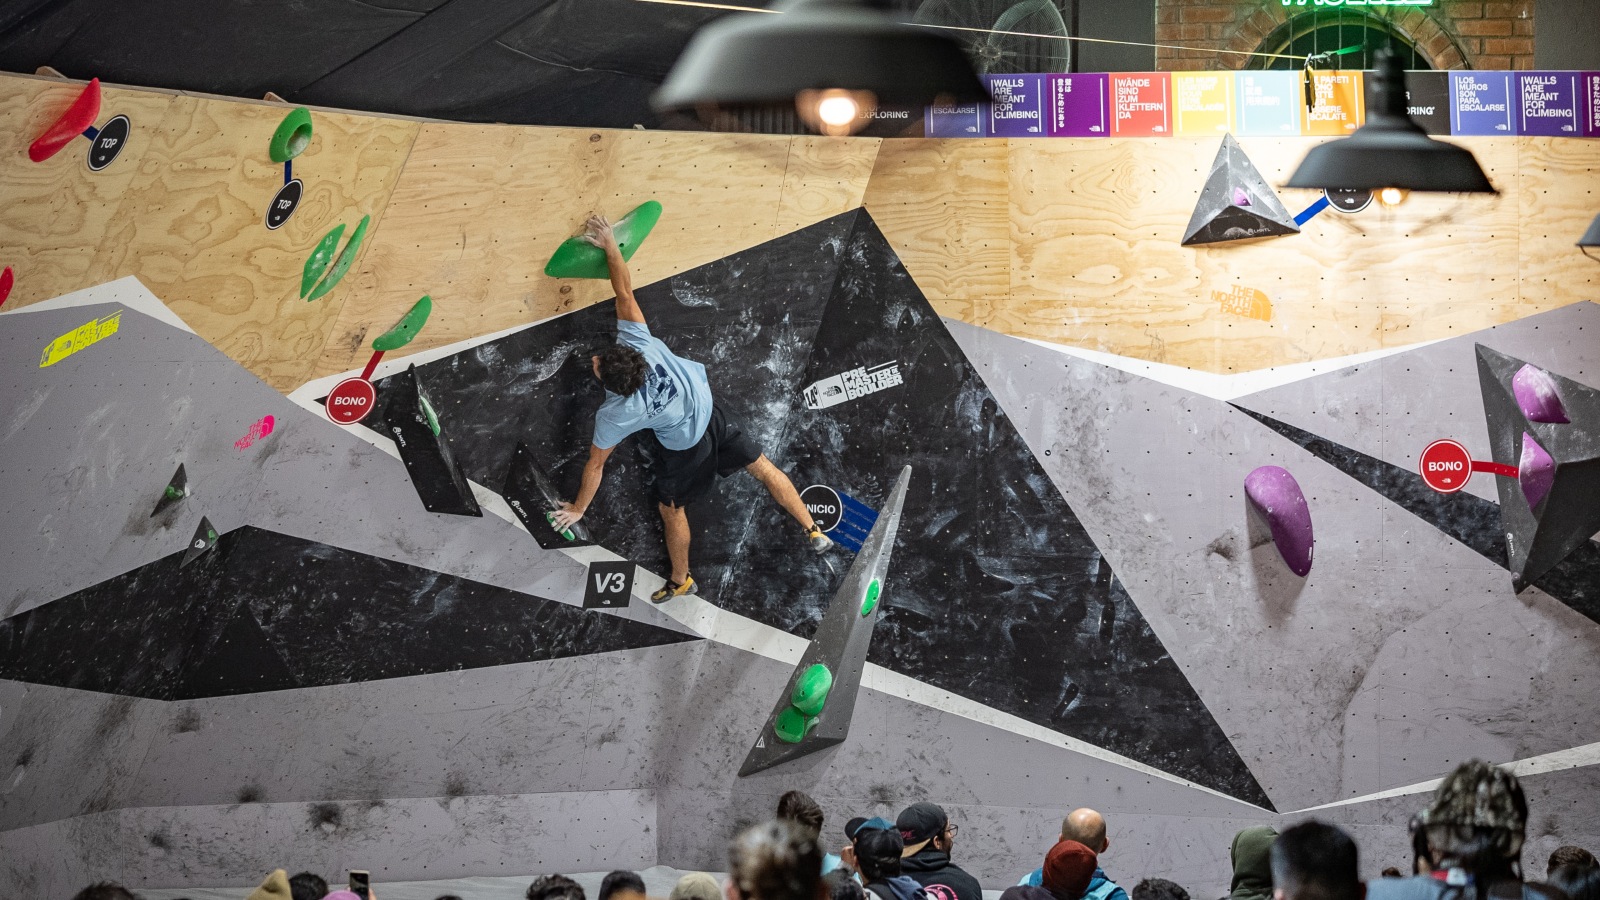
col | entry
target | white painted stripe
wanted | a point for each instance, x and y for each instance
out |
(129, 291)
(1558, 761)
(1223, 387)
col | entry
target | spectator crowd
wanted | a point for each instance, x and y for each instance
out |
(1466, 845)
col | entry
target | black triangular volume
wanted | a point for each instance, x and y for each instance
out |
(325, 614)
(1236, 203)
(997, 592)
(205, 537)
(532, 496)
(240, 661)
(413, 423)
(176, 490)
(132, 634)
(1474, 521)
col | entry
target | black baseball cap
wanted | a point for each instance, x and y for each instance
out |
(920, 823)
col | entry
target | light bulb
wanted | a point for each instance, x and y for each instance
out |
(836, 111)
(1391, 196)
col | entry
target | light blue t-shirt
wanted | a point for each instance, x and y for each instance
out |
(675, 401)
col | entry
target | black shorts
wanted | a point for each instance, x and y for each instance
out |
(680, 477)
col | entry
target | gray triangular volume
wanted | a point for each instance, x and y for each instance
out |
(1236, 203)
(1539, 538)
(175, 491)
(531, 495)
(205, 537)
(840, 645)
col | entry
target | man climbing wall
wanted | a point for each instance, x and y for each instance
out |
(687, 439)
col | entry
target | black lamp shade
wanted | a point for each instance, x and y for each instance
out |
(1591, 238)
(1390, 150)
(755, 59)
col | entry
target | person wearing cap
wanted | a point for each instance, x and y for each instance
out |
(853, 830)
(1068, 869)
(928, 835)
(1088, 828)
(1472, 833)
(878, 854)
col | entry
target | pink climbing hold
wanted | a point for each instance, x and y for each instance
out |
(1536, 394)
(6, 280)
(1536, 471)
(1276, 497)
(79, 116)
(1240, 198)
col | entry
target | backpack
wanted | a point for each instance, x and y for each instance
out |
(927, 892)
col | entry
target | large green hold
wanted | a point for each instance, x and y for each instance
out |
(317, 262)
(577, 258)
(407, 328)
(347, 257)
(292, 137)
(792, 725)
(811, 689)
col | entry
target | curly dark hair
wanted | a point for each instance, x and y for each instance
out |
(775, 861)
(622, 369)
(554, 887)
(797, 806)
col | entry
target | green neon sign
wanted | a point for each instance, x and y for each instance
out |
(1357, 2)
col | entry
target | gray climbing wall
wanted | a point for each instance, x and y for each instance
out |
(613, 740)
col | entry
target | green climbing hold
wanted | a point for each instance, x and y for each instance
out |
(564, 532)
(347, 257)
(174, 493)
(869, 600)
(577, 258)
(811, 689)
(792, 725)
(433, 418)
(317, 262)
(407, 328)
(292, 137)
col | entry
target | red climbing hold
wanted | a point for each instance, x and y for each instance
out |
(6, 280)
(79, 116)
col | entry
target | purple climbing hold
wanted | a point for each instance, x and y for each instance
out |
(1536, 471)
(1536, 394)
(1240, 198)
(1277, 498)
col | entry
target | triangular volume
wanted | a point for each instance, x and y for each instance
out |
(816, 706)
(205, 537)
(414, 425)
(175, 491)
(1236, 203)
(241, 661)
(1565, 511)
(532, 496)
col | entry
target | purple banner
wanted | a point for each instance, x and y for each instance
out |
(1482, 103)
(1550, 103)
(1078, 105)
(1018, 109)
(956, 121)
(1589, 84)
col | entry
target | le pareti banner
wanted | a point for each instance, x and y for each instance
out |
(1317, 103)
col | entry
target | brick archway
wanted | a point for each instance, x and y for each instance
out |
(1262, 29)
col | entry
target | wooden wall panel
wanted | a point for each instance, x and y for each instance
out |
(55, 214)
(1560, 196)
(945, 207)
(192, 229)
(480, 209)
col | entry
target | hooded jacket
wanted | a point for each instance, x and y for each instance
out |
(930, 866)
(1252, 864)
(1100, 887)
(897, 887)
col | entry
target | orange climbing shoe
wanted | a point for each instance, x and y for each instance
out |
(672, 589)
(819, 541)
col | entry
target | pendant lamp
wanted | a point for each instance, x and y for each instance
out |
(832, 61)
(1390, 150)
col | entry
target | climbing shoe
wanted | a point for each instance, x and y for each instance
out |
(819, 541)
(671, 589)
